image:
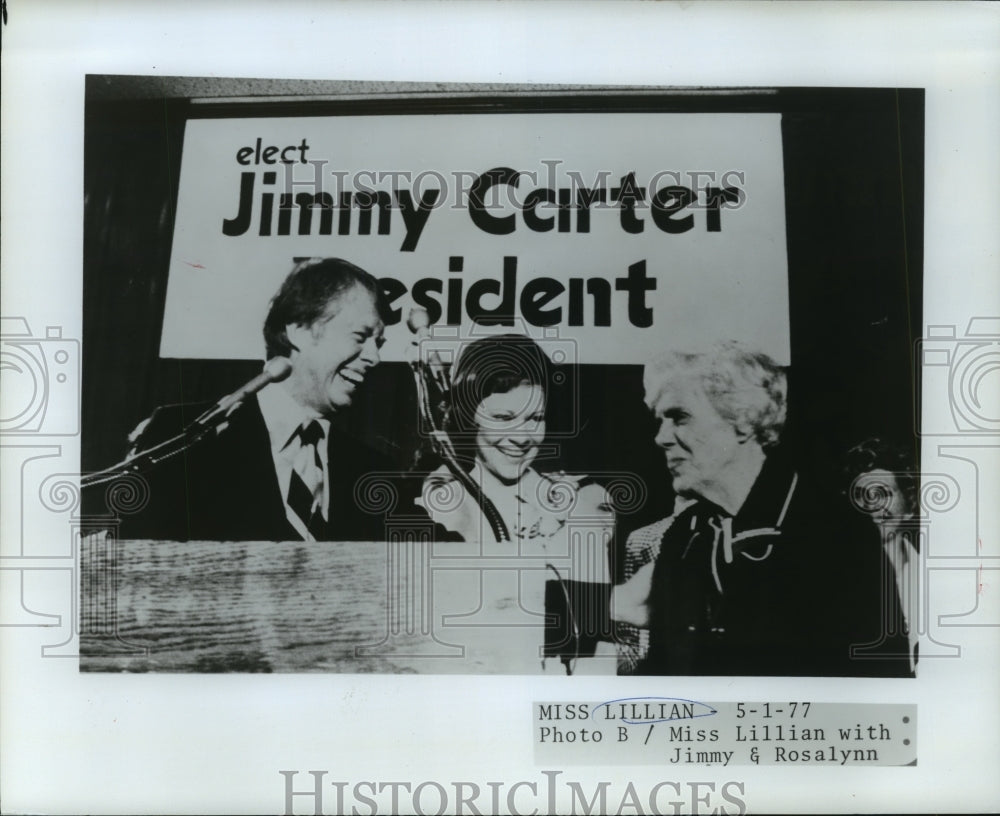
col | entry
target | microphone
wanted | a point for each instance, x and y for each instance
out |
(275, 370)
(418, 322)
(434, 371)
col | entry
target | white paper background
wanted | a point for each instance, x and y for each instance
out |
(137, 744)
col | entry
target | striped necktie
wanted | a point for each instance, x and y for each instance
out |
(305, 488)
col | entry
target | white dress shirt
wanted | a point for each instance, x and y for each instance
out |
(905, 560)
(283, 417)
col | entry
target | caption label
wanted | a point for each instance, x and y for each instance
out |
(674, 731)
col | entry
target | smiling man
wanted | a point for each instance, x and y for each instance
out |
(277, 468)
(753, 573)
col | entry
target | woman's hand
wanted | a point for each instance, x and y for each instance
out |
(446, 502)
(630, 601)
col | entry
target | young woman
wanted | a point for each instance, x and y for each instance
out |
(530, 586)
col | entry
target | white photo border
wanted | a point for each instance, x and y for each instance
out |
(217, 743)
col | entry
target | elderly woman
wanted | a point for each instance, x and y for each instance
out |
(527, 543)
(719, 412)
(754, 572)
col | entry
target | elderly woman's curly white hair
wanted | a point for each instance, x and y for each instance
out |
(747, 388)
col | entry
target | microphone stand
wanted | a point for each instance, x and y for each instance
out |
(436, 376)
(146, 459)
(275, 370)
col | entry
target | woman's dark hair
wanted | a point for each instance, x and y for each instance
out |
(307, 292)
(492, 365)
(877, 454)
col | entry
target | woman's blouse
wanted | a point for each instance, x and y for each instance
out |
(494, 601)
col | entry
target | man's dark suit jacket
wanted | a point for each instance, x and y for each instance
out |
(809, 592)
(225, 488)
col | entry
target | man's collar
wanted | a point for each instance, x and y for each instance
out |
(283, 415)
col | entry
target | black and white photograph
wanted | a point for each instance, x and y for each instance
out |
(499, 408)
(541, 380)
